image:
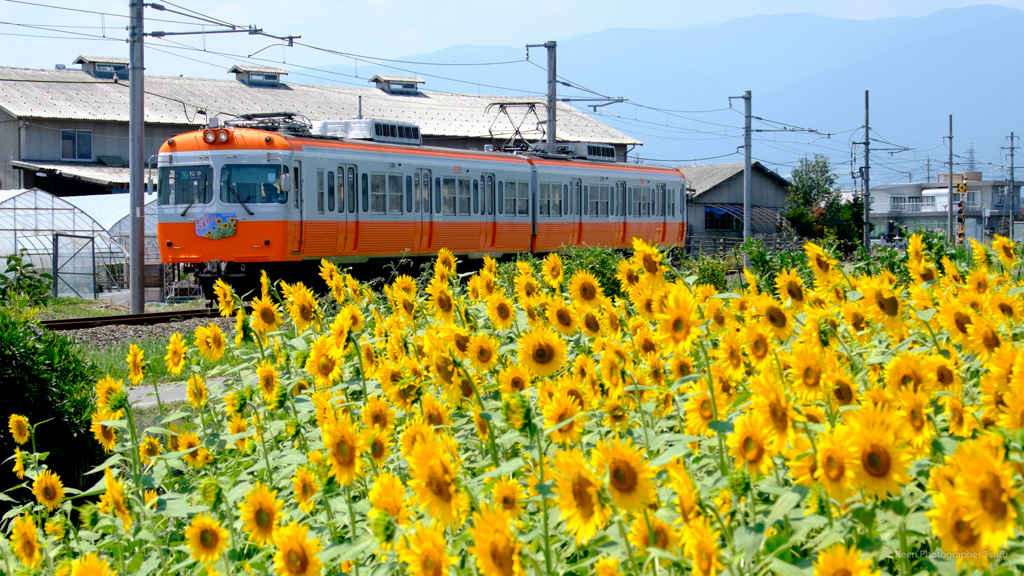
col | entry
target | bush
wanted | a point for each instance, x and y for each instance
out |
(711, 271)
(20, 283)
(767, 264)
(603, 263)
(45, 378)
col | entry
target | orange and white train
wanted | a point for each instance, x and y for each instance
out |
(265, 194)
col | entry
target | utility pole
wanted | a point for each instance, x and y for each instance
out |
(136, 158)
(928, 169)
(951, 235)
(1014, 197)
(747, 177)
(551, 45)
(867, 175)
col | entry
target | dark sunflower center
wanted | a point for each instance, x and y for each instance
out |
(876, 461)
(961, 321)
(990, 339)
(297, 561)
(437, 481)
(563, 317)
(776, 317)
(822, 263)
(444, 302)
(587, 291)
(705, 409)
(834, 468)
(263, 518)
(325, 365)
(889, 305)
(591, 323)
(623, 476)
(991, 497)
(267, 315)
(543, 353)
(503, 311)
(518, 383)
(753, 450)
(795, 291)
(207, 538)
(344, 452)
(581, 495)
(843, 393)
(962, 531)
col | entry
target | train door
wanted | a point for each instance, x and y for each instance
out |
(619, 194)
(345, 216)
(662, 195)
(298, 222)
(424, 226)
(488, 222)
(575, 209)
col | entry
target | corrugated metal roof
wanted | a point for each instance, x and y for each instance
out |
(393, 78)
(257, 69)
(103, 59)
(92, 173)
(703, 177)
(73, 94)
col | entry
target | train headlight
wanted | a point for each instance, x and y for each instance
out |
(222, 136)
(209, 136)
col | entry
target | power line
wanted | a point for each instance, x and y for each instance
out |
(687, 159)
(66, 8)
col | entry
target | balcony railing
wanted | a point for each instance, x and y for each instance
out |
(878, 207)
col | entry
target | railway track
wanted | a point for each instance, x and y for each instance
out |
(127, 319)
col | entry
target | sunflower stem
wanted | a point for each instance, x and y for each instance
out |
(231, 533)
(543, 499)
(135, 448)
(352, 525)
(714, 409)
(266, 454)
(480, 401)
(3, 552)
(625, 542)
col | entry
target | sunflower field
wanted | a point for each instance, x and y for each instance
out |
(846, 425)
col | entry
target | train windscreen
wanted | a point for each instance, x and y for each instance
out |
(251, 184)
(185, 185)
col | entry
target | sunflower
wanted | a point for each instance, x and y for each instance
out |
(576, 489)
(700, 413)
(483, 351)
(806, 370)
(751, 444)
(983, 337)
(378, 444)
(956, 534)
(774, 318)
(114, 501)
(585, 290)
(628, 274)
(561, 316)
(906, 371)
(495, 548)
(790, 287)
(508, 495)
(149, 449)
(442, 300)
(881, 462)
(552, 270)
(91, 565)
(225, 297)
(838, 560)
(321, 363)
(434, 412)
(629, 476)
(175, 358)
(266, 378)
(677, 322)
(345, 445)
(261, 513)
(49, 490)
(686, 494)
(658, 534)
(513, 379)
(988, 493)
(770, 401)
(19, 463)
(136, 364)
(105, 435)
(433, 472)
(196, 391)
(836, 462)
(378, 414)
(265, 315)
(701, 547)
(210, 341)
(648, 257)
(238, 425)
(305, 487)
(562, 407)
(206, 538)
(296, 555)
(446, 263)
(388, 496)
(25, 541)
(500, 311)
(819, 262)
(425, 552)
(187, 441)
(962, 422)
(881, 302)
(55, 527)
(607, 566)
(913, 422)
(542, 352)
(18, 425)
(302, 308)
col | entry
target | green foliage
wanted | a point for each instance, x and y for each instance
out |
(711, 271)
(21, 284)
(603, 263)
(767, 264)
(815, 208)
(46, 379)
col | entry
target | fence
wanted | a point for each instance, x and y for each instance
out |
(724, 245)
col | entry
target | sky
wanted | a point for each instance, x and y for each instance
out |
(374, 28)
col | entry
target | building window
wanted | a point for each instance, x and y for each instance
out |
(76, 144)
(897, 203)
(929, 202)
(718, 219)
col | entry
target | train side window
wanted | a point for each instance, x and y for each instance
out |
(297, 181)
(510, 199)
(416, 190)
(437, 195)
(448, 196)
(351, 187)
(330, 191)
(544, 199)
(378, 193)
(476, 197)
(629, 200)
(341, 189)
(489, 195)
(620, 191)
(501, 197)
(575, 188)
(408, 193)
(663, 198)
(567, 210)
(586, 200)
(320, 190)
(394, 193)
(611, 200)
(645, 201)
(602, 201)
(463, 207)
(366, 194)
(523, 202)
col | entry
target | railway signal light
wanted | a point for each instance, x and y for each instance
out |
(960, 212)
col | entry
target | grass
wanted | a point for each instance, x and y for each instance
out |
(62, 307)
(150, 416)
(112, 360)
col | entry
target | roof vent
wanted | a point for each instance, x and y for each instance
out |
(398, 84)
(378, 130)
(104, 66)
(257, 75)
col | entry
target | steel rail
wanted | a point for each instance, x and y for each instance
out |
(128, 319)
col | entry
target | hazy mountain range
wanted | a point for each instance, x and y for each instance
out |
(805, 71)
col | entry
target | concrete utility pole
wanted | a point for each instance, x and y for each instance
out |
(551, 45)
(867, 176)
(1014, 198)
(136, 159)
(951, 234)
(747, 177)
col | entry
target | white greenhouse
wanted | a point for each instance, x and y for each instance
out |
(85, 238)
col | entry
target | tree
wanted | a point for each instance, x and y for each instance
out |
(815, 208)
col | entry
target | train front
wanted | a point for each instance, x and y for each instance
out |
(225, 203)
